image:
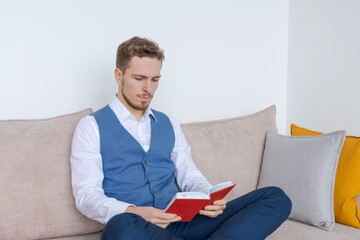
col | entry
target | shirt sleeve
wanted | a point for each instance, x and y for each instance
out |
(188, 177)
(87, 174)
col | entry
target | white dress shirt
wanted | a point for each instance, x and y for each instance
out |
(86, 162)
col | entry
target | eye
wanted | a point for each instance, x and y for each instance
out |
(155, 79)
(139, 78)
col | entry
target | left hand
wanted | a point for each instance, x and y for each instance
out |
(214, 210)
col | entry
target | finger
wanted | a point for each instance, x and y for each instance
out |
(212, 214)
(220, 202)
(163, 225)
(163, 211)
(164, 221)
(160, 213)
(163, 215)
(214, 207)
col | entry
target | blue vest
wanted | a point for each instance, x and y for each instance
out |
(131, 174)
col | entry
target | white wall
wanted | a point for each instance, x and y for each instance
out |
(223, 58)
(324, 65)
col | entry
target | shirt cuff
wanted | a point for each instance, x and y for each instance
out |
(115, 209)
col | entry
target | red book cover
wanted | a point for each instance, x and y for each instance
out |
(188, 204)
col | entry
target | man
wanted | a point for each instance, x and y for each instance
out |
(125, 159)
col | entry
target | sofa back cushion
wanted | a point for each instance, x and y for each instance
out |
(231, 149)
(304, 167)
(35, 182)
(347, 180)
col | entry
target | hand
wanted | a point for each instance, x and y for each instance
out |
(214, 210)
(154, 215)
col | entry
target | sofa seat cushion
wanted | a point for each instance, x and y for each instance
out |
(91, 236)
(36, 198)
(231, 149)
(299, 231)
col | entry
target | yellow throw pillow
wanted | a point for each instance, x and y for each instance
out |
(347, 179)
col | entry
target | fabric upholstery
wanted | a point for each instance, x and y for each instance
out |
(231, 149)
(288, 230)
(304, 167)
(91, 236)
(36, 189)
(347, 181)
(299, 231)
(35, 183)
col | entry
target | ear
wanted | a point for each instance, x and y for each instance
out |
(118, 76)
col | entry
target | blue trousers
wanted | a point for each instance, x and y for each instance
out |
(252, 216)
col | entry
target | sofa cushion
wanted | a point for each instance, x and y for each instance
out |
(35, 182)
(347, 180)
(231, 149)
(304, 167)
(91, 236)
(299, 231)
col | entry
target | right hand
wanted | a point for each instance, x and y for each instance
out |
(154, 215)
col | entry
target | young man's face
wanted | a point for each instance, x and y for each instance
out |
(139, 83)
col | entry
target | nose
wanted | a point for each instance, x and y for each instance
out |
(146, 85)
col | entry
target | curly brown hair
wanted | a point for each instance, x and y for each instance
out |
(136, 46)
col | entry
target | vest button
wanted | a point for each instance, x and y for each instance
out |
(146, 161)
(153, 190)
(149, 180)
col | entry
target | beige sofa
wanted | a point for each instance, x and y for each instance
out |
(36, 201)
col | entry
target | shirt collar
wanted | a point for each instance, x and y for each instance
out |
(122, 113)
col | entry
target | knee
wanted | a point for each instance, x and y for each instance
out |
(123, 220)
(122, 226)
(283, 201)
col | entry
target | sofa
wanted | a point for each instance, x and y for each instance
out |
(36, 200)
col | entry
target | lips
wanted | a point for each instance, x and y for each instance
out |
(145, 98)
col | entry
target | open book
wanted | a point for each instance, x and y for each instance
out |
(188, 204)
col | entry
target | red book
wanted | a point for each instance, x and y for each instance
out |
(188, 204)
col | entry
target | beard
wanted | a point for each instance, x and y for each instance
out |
(140, 106)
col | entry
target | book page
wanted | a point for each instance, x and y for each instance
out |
(192, 195)
(220, 186)
(188, 195)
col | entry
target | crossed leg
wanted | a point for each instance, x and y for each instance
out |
(252, 216)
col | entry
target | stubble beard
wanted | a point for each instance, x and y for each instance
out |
(141, 106)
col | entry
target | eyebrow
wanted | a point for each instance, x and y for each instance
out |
(139, 75)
